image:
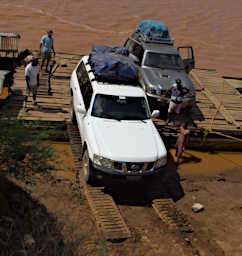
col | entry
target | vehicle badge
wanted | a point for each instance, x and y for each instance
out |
(134, 167)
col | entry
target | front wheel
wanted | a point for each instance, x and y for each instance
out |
(86, 168)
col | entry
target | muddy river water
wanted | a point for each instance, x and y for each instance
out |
(213, 28)
(193, 162)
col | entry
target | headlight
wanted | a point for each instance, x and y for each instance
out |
(102, 161)
(160, 162)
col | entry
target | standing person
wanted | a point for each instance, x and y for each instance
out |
(46, 46)
(182, 141)
(32, 81)
(177, 93)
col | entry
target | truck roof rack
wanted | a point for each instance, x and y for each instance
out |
(141, 38)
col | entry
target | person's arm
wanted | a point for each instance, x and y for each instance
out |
(164, 96)
(41, 45)
(27, 78)
(187, 90)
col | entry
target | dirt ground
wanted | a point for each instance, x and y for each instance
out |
(48, 215)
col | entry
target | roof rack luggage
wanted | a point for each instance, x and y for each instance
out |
(9, 43)
(111, 64)
(150, 31)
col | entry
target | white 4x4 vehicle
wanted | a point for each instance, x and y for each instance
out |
(117, 133)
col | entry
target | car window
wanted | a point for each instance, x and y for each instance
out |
(87, 94)
(120, 107)
(160, 60)
(85, 84)
(82, 76)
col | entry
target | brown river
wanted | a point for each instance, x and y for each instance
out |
(212, 27)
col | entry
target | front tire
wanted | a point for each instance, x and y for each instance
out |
(87, 168)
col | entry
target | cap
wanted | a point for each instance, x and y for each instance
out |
(50, 31)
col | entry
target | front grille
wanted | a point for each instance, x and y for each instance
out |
(133, 167)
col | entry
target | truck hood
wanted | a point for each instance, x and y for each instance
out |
(128, 141)
(164, 78)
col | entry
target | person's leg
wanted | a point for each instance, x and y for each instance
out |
(178, 109)
(172, 105)
(34, 95)
(47, 61)
(26, 98)
(43, 59)
(179, 153)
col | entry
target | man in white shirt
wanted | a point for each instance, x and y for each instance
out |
(32, 81)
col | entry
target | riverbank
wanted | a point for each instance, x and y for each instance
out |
(214, 181)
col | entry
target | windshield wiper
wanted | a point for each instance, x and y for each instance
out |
(109, 116)
(134, 119)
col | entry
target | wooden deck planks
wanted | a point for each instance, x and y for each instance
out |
(218, 103)
(50, 108)
(217, 94)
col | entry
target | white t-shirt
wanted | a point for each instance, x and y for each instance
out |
(32, 72)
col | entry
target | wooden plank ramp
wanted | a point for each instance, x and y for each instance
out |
(50, 108)
(225, 98)
(106, 213)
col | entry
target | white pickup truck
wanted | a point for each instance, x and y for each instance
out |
(117, 133)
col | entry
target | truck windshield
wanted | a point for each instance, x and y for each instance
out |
(161, 60)
(120, 107)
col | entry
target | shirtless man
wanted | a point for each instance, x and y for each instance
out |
(182, 141)
(177, 93)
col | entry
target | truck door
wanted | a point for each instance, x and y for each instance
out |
(187, 55)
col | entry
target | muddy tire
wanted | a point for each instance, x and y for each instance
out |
(87, 168)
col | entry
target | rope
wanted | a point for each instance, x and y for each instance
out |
(208, 130)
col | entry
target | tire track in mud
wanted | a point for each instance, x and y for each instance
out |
(145, 225)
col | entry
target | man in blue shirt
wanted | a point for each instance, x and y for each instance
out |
(46, 46)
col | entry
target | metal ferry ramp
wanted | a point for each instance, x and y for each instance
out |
(108, 218)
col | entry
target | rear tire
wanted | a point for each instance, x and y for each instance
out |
(87, 168)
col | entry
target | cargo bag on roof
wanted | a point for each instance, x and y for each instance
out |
(107, 49)
(112, 67)
(153, 30)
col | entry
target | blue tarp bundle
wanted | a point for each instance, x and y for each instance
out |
(153, 29)
(109, 65)
(107, 49)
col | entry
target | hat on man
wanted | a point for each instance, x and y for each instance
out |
(50, 31)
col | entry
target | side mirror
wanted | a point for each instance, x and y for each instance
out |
(155, 114)
(81, 110)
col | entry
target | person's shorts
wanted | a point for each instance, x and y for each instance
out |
(46, 55)
(174, 107)
(33, 88)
